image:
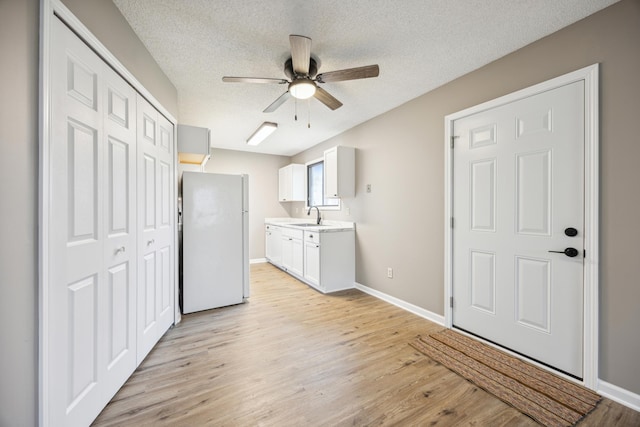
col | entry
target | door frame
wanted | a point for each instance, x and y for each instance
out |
(48, 10)
(591, 205)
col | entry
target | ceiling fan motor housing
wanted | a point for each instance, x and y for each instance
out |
(288, 69)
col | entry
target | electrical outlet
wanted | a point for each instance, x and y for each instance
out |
(368, 188)
(348, 211)
(390, 273)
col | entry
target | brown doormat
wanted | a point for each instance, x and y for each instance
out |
(547, 398)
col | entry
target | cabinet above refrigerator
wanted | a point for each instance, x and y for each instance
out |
(194, 145)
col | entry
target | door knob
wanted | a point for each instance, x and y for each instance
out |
(570, 252)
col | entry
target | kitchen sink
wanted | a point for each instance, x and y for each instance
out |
(309, 225)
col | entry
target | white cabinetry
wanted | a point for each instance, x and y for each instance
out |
(193, 145)
(292, 251)
(329, 260)
(323, 257)
(339, 172)
(291, 183)
(273, 244)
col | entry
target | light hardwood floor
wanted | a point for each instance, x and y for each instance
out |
(294, 357)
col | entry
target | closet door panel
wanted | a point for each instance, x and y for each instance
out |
(148, 331)
(156, 226)
(119, 141)
(76, 357)
(166, 224)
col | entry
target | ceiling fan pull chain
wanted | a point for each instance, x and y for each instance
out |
(295, 113)
(309, 114)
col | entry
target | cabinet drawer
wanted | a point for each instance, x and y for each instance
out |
(268, 227)
(292, 233)
(312, 236)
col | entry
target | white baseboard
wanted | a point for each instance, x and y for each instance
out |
(620, 395)
(257, 260)
(418, 311)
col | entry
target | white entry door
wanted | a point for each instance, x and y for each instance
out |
(90, 320)
(518, 231)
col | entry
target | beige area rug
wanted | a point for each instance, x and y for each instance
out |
(547, 398)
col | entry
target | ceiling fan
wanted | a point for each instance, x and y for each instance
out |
(302, 69)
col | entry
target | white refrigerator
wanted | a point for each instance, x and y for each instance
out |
(215, 240)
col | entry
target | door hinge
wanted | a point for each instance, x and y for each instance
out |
(451, 302)
(453, 138)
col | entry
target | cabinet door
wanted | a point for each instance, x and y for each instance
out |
(339, 172)
(297, 257)
(284, 184)
(275, 246)
(287, 252)
(312, 263)
(268, 244)
(291, 183)
(331, 172)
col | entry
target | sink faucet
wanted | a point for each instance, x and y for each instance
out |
(309, 213)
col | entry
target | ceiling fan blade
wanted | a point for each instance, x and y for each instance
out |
(277, 103)
(228, 79)
(349, 74)
(327, 99)
(300, 54)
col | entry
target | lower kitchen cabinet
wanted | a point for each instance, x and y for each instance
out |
(329, 260)
(325, 259)
(322, 259)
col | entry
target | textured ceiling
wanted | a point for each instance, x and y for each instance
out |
(418, 44)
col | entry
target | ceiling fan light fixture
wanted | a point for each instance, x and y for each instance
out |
(302, 88)
(265, 129)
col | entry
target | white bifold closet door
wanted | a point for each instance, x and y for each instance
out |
(155, 227)
(95, 333)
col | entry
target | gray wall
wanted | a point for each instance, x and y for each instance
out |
(18, 212)
(19, 29)
(263, 188)
(401, 154)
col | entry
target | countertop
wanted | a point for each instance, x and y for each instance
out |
(302, 224)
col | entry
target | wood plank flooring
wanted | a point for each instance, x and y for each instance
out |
(294, 357)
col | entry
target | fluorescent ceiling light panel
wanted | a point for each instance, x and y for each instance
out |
(262, 133)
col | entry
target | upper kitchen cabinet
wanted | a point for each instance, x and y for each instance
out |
(193, 145)
(291, 183)
(340, 172)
